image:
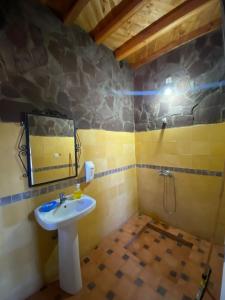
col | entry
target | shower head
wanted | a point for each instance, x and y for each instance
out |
(164, 122)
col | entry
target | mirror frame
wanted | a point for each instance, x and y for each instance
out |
(26, 126)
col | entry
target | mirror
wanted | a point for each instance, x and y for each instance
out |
(51, 152)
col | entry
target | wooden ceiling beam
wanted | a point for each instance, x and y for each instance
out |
(115, 18)
(75, 10)
(181, 40)
(165, 23)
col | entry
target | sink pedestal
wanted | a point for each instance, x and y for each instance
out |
(69, 259)
(64, 219)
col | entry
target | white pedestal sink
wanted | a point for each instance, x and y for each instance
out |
(63, 218)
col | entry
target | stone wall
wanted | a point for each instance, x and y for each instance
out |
(50, 126)
(191, 101)
(45, 65)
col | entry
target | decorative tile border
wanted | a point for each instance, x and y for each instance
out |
(113, 171)
(57, 186)
(181, 170)
(53, 167)
(70, 182)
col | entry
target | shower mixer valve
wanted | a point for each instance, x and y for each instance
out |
(165, 173)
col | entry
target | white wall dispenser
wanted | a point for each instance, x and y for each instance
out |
(89, 170)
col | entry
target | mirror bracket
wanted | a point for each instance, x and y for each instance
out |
(22, 149)
(78, 148)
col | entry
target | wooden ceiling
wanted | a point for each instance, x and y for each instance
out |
(140, 31)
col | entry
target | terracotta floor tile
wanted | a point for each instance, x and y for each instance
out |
(196, 259)
(172, 261)
(107, 244)
(89, 271)
(95, 294)
(161, 268)
(151, 262)
(114, 262)
(170, 243)
(150, 277)
(218, 248)
(174, 294)
(131, 269)
(143, 219)
(125, 237)
(98, 255)
(125, 288)
(189, 288)
(154, 233)
(145, 293)
(217, 257)
(133, 227)
(115, 236)
(150, 235)
(193, 271)
(173, 275)
(121, 251)
(156, 249)
(181, 253)
(167, 284)
(135, 245)
(106, 280)
(146, 256)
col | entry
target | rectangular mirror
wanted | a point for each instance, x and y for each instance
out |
(51, 152)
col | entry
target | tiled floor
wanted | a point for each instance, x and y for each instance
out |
(139, 263)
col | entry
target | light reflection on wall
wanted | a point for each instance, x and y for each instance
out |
(178, 91)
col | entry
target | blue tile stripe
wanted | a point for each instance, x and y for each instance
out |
(57, 186)
(181, 170)
(70, 182)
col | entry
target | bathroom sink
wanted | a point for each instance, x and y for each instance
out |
(70, 210)
(64, 219)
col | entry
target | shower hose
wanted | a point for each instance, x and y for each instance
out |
(168, 176)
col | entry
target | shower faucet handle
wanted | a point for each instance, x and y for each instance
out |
(165, 172)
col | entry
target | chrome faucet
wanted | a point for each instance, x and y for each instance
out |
(62, 198)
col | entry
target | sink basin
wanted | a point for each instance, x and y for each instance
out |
(69, 211)
(64, 219)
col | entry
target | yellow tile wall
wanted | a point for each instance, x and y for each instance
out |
(33, 250)
(51, 175)
(43, 149)
(28, 254)
(197, 147)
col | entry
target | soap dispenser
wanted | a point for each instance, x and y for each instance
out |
(89, 171)
(77, 193)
